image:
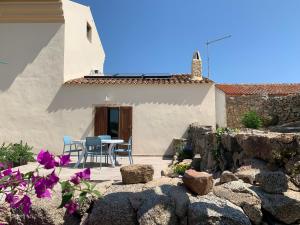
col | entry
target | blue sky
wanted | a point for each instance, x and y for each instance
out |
(159, 36)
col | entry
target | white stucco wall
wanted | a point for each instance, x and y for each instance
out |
(30, 81)
(81, 55)
(160, 113)
(221, 108)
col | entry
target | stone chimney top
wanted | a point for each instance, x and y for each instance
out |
(196, 66)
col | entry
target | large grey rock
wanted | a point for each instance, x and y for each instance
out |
(137, 173)
(273, 182)
(212, 210)
(227, 176)
(284, 207)
(266, 145)
(4, 213)
(161, 201)
(239, 194)
(247, 174)
(43, 212)
(114, 208)
(156, 208)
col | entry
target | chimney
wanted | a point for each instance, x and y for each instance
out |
(196, 67)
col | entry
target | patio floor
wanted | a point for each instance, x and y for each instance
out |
(107, 173)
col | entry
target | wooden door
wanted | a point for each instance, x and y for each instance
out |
(125, 124)
(100, 123)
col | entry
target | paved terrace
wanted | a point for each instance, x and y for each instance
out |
(106, 173)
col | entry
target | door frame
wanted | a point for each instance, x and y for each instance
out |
(97, 118)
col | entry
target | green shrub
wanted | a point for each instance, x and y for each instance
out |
(252, 120)
(16, 154)
(181, 168)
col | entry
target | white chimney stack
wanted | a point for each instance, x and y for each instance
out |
(196, 66)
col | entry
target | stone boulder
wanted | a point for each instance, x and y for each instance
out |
(212, 210)
(4, 213)
(196, 163)
(239, 194)
(43, 212)
(115, 208)
(156, 208)
(137, 173)
(175, 191)
(265, 145)
(169, 172)
(227, 176)
(200, 183)
(272, 182)
(284, 207)
(161, 201)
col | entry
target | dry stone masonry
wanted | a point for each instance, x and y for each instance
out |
(273, 109)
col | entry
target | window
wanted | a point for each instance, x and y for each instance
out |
(89, 32)
(113, 122)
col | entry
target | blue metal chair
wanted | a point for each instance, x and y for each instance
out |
(68, 142)
(126, 151)
(93, 149)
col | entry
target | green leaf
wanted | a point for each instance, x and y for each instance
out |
(87, 184)
(28, 175)
(65, 199)
(97, 193)
(82, 197)
(93, 186)
(66, 186)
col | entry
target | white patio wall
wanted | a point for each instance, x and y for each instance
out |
(221, 108)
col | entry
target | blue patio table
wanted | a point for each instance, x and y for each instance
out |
(112, 143)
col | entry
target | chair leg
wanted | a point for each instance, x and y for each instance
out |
(130, 158)
(84, 160)
(101, 158)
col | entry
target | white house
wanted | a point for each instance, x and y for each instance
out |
(47, 91)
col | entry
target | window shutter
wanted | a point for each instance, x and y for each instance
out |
(125, 130)
(100, 125)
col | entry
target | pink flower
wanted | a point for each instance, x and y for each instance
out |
(11, 199)
(64, 160)
(83, 175)
(46, 159)
(7, 172)
(75, 180)
(51, 180)
(71, 207)
(25, 202)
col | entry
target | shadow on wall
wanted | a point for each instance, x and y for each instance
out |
(20, 44)
(75, 97)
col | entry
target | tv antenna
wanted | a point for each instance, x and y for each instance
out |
(207, 50)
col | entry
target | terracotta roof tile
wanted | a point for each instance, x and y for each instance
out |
(259, 89)
(173, 79)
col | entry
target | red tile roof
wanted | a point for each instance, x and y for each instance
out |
(174, 79)
(258, 89)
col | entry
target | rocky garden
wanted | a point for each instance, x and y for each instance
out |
(224, 177)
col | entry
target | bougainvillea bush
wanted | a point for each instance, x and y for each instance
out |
(17, 188)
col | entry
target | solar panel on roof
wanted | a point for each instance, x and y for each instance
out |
(133, 75)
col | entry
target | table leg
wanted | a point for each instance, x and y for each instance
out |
(110, 152)
(80, 157)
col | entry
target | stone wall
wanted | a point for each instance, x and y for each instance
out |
(274, 109)
(229, 150)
